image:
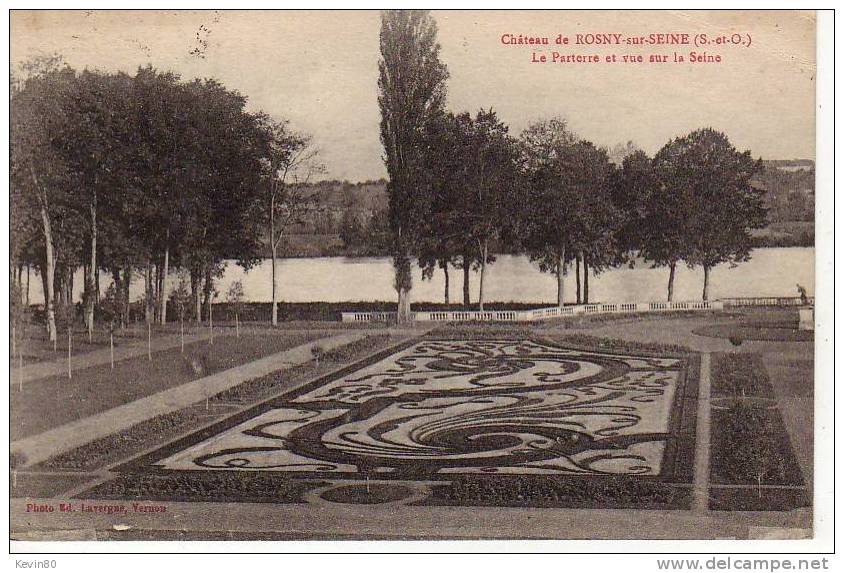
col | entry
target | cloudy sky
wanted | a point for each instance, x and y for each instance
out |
(319, 70)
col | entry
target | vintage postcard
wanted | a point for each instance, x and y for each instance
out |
(412, 275)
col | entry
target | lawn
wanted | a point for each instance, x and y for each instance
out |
(50, 402)
(750, 444)
(36, 347)
(165, 427)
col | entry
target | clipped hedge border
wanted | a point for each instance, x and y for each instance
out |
(592, 492)
(589, 343)
(218, 487)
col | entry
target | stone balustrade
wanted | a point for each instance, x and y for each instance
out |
(536, 314)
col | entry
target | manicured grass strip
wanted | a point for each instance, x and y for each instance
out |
(50, 402)
(254, 390)
(596, 492)
(43, 485)
(740, 375)
(37, 348)
(753, 499)
(738, 333)
(115, 447)
(166, 427)
(750, 446)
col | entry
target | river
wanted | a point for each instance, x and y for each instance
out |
(769, 272)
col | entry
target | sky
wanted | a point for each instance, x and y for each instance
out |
(318, 69)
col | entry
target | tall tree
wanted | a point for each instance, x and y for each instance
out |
(411, 95)
(655, 214)
(572, 181)
(37, 170)
(444, 242)
(289, 161)
(721, 205)
(547, 147)
(218, 211)
(91, 139)
(489, 178)
(597, 225)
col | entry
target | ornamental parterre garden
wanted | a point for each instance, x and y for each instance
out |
(473, 416)
(512, 422)
(443, 410)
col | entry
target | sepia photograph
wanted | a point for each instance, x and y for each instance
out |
(437, 275)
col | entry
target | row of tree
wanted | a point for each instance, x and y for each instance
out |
(461, 186)
(119, 173)
(125, 173)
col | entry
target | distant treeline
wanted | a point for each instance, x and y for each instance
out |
(352, 218)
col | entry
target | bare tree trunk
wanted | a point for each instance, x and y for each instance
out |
(127, 282)
(561, 269)
(705, 282)
(58, 287)
(672, 268)
(195, 283)
(118, 291)
(86, 295)
(26, 300)
(90, 284)
(275, 286)
(481, 279)
(49, 275)
(208, 286)
(49, 290)
(163, 291)
(156, 293)
(69, 350)
(149, 295)
(19, 279)
(585, 279)
(42, 272)
(444, 266)
(466, 269)
(68, 296)
(403, 305)
(577, 277)
(211, 318)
